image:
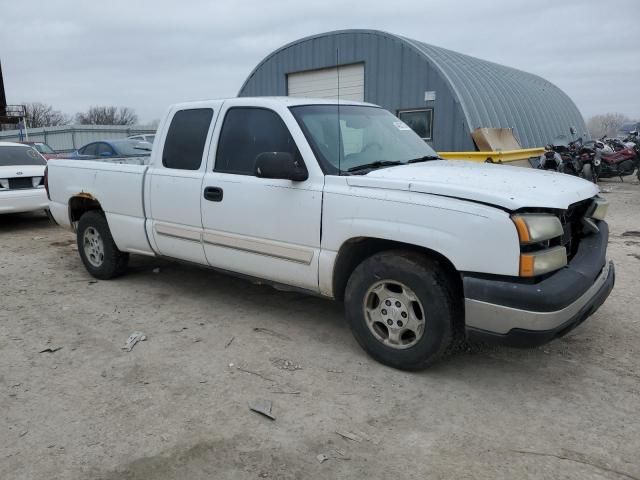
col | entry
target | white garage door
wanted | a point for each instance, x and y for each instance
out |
(324, 83)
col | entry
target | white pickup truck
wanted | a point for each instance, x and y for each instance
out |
(345, 201)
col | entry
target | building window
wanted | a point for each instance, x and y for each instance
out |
(420, 121)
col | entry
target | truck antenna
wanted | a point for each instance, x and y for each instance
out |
(339, 133)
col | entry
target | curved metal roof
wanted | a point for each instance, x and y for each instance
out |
(495, 96)
(490, 95)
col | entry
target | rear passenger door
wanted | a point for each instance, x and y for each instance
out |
(175, 183)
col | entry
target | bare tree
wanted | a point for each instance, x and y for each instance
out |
(607, 124)
(43, 115)
(106, 115)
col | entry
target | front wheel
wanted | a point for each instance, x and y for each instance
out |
(98, 251)
(403, 309)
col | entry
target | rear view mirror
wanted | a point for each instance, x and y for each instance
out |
(573, 130)
(280, 165)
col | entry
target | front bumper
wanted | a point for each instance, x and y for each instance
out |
(530, 314)
(27, 200)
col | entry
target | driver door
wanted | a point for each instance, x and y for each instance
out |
(265, 228)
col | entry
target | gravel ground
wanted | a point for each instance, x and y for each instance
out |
(176, 405)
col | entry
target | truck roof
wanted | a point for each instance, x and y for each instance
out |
(272, 101)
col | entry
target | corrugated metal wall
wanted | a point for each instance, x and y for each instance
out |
(396, 77)
(71, 137)
(470, 93)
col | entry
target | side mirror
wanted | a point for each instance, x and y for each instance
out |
(280, 165)
(105, 154)
(572, 130)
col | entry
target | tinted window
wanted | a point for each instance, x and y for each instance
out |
(91, 149)
(186, 137)
(104, 149)
(11, 155)
(248, 132)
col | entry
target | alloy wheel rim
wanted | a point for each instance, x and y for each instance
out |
(394, 314)
(93, 247)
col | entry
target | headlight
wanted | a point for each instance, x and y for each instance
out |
(537, 227)
(542, 261)
(598, 209)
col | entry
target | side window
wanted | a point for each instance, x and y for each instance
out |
(186, 137)
(248, 132)
(105, 149)
(90, 149)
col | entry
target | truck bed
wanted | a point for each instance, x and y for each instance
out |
(118, 187)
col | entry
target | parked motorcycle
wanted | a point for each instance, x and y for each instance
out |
(610, 164)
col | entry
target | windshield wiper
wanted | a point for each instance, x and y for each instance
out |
(377, 164)
(426, 158)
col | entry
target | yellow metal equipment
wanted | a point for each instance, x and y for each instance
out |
(504, 156)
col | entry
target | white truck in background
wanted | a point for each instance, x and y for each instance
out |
(345, 201)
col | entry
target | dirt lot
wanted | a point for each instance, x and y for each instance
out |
(176, 406)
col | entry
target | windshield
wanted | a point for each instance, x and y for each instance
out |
(132, 147)
(13, 156)
(43, 148)
(367, 135)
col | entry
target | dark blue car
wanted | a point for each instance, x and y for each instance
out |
(106, 149)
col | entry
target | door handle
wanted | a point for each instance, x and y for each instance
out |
(213, 194)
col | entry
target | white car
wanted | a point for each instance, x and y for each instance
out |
(345, 201)
(145, 137)
(21, 179)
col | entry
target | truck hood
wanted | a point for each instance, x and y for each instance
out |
(504, 186)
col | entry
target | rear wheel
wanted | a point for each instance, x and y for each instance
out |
(98, 251)
(403, 309)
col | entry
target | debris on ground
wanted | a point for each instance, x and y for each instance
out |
(271, 332)
(257, 374)
(284, 364)
(133, 339)
(335, 370)
(229, 342)
(631, 233)
(284, 392)
(322, 458)
(50, 350)
(178, 330)
(263, 407)
(349, 436)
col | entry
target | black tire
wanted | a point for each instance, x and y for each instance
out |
(112, 262)
(587, 173)
(435, 289)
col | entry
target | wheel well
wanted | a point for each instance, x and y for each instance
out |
(80, 204)
(356, 250)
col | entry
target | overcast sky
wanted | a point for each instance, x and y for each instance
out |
(149, 54)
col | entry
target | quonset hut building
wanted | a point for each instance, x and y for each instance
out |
(443, 95)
